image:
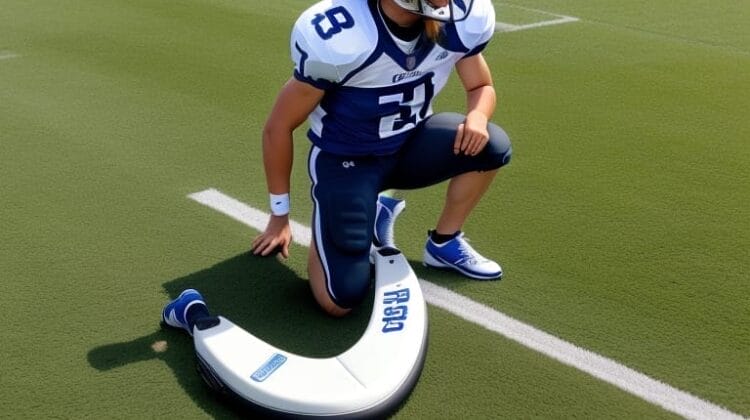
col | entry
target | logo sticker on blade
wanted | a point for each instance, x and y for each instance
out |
(394, 316)
(269, 367)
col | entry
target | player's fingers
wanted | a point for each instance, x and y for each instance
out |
(478, 141)
(470, 147)
(478, 145)
(470, 140)
(254, 245)
(256, 242)
(468, 143)
(270, 247)
(458, 142)
(262, 246)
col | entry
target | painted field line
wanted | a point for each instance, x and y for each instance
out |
(507, 27)
(7, 55)
(558, 20)
(623, 377)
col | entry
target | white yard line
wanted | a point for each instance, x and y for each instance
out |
(623, 377)
(558, 20)
(7, 55)
(247, 215)
(507, 27)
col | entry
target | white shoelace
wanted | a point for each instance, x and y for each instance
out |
(469, 254)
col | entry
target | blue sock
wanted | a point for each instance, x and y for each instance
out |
(195, 313)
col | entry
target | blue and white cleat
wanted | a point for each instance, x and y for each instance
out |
(175, 312)
(458, 255)
(386, 213)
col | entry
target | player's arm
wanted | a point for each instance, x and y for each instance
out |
(293, 105)
(476, 78)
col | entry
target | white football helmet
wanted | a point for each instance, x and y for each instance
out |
(453, 11)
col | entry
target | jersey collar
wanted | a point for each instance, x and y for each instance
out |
(386, 43)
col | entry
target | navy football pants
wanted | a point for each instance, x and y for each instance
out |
(345, 190)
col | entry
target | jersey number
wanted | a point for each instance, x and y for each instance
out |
(412, 108)
(332, 22)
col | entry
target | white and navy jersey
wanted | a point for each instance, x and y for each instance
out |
(376, 93)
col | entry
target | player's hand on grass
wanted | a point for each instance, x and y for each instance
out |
(276, 237)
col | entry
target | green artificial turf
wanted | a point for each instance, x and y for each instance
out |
(622, 222)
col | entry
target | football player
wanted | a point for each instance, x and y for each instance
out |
(365, 76)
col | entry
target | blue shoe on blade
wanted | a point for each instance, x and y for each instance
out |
(458, 255)
(386, 213)
(175, 312)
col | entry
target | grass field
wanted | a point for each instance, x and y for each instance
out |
(623, 222)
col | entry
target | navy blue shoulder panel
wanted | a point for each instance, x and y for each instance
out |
(450, 39)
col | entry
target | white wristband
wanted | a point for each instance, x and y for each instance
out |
(279, 204)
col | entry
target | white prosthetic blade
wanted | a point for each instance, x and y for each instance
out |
(376, 374)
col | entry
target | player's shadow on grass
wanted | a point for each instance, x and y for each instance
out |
(259, 294)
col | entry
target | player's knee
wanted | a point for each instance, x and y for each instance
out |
(352, 284)
(498, 150)
(343, 284)
(324, 300)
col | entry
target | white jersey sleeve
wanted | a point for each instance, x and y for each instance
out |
(330, 40)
